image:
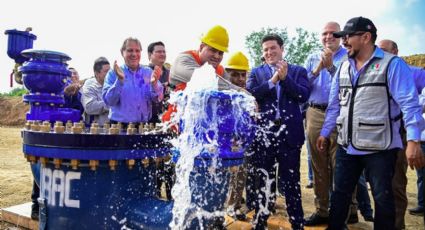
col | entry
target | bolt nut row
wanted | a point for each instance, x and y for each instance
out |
(93, 164)
(95, 128)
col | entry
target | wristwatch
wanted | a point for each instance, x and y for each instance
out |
(331, 69)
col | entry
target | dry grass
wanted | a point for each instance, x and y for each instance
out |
(15, 173)
(416, 60)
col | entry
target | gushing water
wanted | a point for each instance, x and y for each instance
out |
(211, 123)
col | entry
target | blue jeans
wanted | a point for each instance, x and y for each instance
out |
(420, 182)
(379, 168)
(362, 197)
(35, 193)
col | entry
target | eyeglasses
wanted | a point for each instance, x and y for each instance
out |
(352, 35)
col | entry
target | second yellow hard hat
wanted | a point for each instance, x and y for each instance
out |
(238, 61)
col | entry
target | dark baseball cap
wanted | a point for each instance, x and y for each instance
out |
(356, 24)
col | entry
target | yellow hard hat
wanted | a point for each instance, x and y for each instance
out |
(238, 61)
(217, 38)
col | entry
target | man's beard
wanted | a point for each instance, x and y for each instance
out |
(353, 54)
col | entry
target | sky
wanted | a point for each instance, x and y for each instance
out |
(88, 29)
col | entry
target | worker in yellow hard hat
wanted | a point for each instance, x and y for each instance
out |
(211, 50)
(237, 67)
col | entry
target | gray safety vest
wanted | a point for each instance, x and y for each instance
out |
(365, 119)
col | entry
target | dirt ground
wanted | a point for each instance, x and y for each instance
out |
(12, 111)
(16, 180)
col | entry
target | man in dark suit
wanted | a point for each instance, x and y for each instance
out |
(279, 89)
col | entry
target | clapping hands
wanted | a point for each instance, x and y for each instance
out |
(119, 72)
(156, 74)
(326, 61)
(281, 71)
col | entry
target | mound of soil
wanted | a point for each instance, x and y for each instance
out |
(12, 111)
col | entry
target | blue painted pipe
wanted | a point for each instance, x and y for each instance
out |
(17, 42)
(84, 196)
(45, 76)
(112, 199)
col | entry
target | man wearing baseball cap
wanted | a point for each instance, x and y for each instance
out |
(359, 24)
(368, 92)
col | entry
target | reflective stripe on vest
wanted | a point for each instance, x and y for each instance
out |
(365, 119)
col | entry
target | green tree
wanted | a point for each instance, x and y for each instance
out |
(15, 92)
(297, 48)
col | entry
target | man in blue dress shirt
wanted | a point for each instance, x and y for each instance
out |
(131, 89)
(367, 94)
(279, 88)
(321, 66)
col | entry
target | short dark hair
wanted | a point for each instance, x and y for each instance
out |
(373, 37)
(99, 63)
(272, 37)
(151, 46)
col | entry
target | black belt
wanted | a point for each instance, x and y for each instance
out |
(318, 106)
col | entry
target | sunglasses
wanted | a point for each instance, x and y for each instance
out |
(352, 35)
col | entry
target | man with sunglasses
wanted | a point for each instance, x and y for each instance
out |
(320, 67)
(367, 94)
